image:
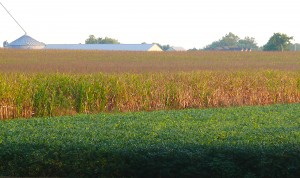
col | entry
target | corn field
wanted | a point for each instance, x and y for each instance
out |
(40, 95)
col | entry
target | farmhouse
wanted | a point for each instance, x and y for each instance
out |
(233, 49)
(106, 47)
(176, 49)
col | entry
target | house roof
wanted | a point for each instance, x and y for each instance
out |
(174, 48)
(107, 47)
(25, 40)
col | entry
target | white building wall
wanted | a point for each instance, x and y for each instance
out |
(155, 48)
(26, 47)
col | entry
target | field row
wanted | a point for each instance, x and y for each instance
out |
(35, 95)
(64, 61)
(234, 142)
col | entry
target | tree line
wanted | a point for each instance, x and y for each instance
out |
(277, 42)
(93, 40)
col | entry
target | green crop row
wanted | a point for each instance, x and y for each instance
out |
(38, 95)
(234, 142)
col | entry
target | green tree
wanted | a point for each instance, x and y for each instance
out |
(231, 40)
(248, 42)
(278, 42)
(108, 40)
(93, 40)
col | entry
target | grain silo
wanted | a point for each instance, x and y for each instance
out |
(25, 41)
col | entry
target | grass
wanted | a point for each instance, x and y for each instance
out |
(234, 142)
(38, 95)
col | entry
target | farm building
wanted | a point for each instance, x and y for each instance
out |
(233, 49)
(25, 42)
(176, 49)
(106, 47)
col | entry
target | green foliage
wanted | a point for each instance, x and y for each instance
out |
(248, 42)
(93, 40)
(231, 41)
(278, 42)
(234, 142)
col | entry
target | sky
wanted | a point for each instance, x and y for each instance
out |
(186, 23)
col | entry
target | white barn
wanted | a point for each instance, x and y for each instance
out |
(105, 47)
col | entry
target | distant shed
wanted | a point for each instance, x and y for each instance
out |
(176, 49)
(105, 47)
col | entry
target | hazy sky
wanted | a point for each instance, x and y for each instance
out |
(187, 23)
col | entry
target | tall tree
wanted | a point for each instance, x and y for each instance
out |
(93, 40)
(108, 40)
(278, 42)
(248, 42)
(229, 40)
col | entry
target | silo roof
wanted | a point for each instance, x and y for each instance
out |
(26, 40)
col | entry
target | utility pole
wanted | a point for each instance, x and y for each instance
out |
(13, 18)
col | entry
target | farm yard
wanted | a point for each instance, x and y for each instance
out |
(156, 114)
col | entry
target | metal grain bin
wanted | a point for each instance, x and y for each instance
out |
(26, 42)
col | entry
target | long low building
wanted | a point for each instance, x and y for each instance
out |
(105, 47)
(27, 42)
